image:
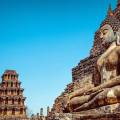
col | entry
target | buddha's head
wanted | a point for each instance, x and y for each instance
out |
(110, 30)
(107, 34)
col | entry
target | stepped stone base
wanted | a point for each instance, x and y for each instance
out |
(17, 118)
(112, 116)
(109, 112)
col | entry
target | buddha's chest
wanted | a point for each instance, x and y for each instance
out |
(111, 61)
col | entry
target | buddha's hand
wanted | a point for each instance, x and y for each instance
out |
(66, 101)
(88, 92)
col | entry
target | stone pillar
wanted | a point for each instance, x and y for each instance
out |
(38, 116)
(48, 110)
(41, 112)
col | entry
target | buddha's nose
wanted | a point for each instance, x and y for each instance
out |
(101, 35)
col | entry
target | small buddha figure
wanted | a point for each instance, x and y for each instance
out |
(108, 65)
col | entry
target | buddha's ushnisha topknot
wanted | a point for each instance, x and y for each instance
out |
(113, 22)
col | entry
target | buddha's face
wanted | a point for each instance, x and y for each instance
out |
(107, 34)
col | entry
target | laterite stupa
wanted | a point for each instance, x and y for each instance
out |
(11, 96)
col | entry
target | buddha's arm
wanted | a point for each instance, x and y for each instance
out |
(92, 103)
(77, 93)
(118, 50)
(109, 50)
(107, 84)
(106, 54)
(83, 99)
(100, 97)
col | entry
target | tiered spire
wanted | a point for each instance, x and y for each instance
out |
(110, 12)
(11, 96)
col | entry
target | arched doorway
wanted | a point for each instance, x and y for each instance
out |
(21, 111)
(19, 101)
(6, 100)
(13, 101)
(1, 100)
(0, 111)
(5, 111)
(13, 111)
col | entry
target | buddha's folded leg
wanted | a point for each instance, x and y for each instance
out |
(97, 101)
(79, 101)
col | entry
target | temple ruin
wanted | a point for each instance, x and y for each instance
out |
(11, 96)
(94, 91)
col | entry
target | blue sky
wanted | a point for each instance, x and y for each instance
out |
(44, 39)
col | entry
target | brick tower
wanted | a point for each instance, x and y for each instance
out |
(11, 96)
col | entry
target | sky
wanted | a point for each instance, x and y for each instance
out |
(44, 39)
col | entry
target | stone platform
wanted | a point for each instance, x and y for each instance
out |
(113, 116)
(109, 112)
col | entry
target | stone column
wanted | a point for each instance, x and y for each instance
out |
(41, 112)
(48, 110)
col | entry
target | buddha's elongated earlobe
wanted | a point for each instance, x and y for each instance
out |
(118, 39)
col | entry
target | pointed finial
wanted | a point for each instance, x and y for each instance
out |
(110, 12)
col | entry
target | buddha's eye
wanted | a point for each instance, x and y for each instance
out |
(104, 32)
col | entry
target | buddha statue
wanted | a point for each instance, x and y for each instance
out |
(108, 91)
(108, 62)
